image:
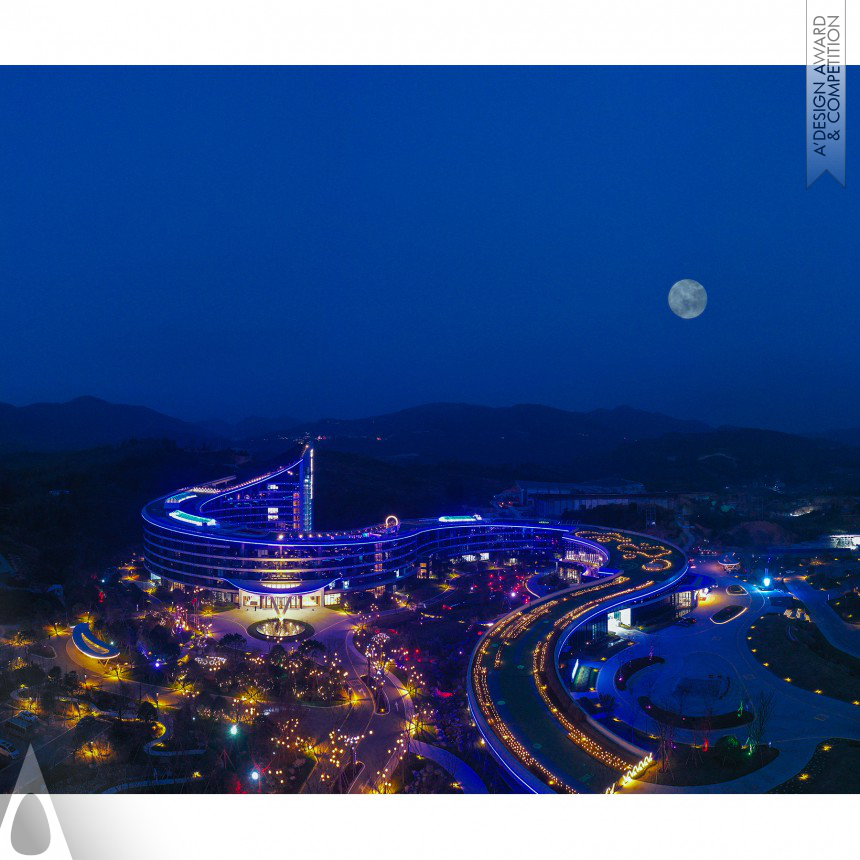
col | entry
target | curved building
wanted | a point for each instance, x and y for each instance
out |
(253, 543)
(516, 691)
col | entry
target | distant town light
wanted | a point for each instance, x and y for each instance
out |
(234, 730)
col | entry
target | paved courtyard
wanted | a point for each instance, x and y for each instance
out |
(800, 719)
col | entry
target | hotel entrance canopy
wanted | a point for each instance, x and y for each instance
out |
(275, 588)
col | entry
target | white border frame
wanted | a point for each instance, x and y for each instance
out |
(409, 32)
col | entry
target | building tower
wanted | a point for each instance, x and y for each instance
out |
(306, 478)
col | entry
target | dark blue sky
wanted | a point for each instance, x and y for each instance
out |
(218, 242)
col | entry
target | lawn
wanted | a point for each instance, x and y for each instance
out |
(727, 613)
(730, 720)
(796, 650)
(418, 775)
(631, 667)
(833, 769)
(217, 607)
(847, 607)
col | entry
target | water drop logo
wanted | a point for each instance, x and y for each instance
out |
(30, 827)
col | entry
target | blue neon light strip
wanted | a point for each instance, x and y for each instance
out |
(253, 482)
(179, 498)
(467, 519)
(192, 519)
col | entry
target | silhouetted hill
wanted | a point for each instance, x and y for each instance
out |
(97, 513)
(846, 436)
(730, 455)
(524, 434)
(87, 422)
(248, 428)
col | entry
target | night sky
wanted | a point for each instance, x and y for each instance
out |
(343, 242)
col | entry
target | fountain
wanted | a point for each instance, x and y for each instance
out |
(281, 628)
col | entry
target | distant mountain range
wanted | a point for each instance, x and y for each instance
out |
(528, 440)
(732, 455)
(88, 422)
(848, 436)
(248, 428)
(543, 443)
(512, 435)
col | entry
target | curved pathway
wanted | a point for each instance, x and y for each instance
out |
(839, 633)
(149, 746)
(379, 749)
(388, 730)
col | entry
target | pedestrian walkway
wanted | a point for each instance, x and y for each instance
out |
(840, 634)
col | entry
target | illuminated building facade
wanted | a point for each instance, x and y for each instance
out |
(253, 543)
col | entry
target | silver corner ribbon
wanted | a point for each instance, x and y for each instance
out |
(825, 89)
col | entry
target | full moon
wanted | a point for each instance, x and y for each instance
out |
(687, 299)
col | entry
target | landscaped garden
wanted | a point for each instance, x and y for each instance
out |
(833, 769)
(847, 607)
(631, 667)
(727, 613)
(729, 720)
(418, 775)
(724, 761)
(797, 652)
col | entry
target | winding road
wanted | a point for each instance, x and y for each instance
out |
(839, 633)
